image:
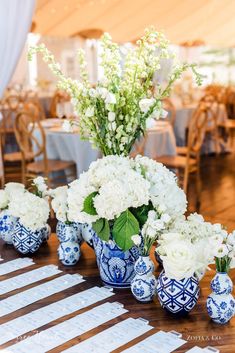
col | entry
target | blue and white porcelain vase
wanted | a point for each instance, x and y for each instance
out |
(27, 241)
(69, 232)
(87, 233)
(7, 226)
(47, 233)
(177, 296)
(220, 303)
(143, 285)
(115, 265)
(69, 253)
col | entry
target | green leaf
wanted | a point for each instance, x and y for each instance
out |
(124, 227)
(101, 227)
(88, 205)
(141, 213)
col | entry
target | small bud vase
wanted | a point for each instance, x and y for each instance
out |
(69, 232)
(69, 253)
(177, 296)
(143, 285)
(220, 303)
(7, 226)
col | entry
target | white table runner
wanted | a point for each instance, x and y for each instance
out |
(112, 338)
(27, 278)
(40, 317)
(67, 330)
(15, 265)
(32, 295)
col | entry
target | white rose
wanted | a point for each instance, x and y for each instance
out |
(3, 199)
(89, 112)
(145, 104)
(179, 261)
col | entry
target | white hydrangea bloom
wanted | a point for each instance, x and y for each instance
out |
(4, 200)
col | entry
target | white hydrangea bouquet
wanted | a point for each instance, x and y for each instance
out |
(121, 196)
(190, 245)
(114, 113)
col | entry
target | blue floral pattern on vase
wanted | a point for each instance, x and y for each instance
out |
(177, 297)
(220, 303)
(27, 241)
(69, 253)
(115, 265)
(143, 285)
(7, 226)
(46, 233)
(69, 232)
(87, 233)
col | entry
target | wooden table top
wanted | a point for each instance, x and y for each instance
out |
(196, 328)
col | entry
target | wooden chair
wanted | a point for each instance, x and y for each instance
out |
(190, 162)
(169, 106)
(2, 178)
(31, 138)
(59, 97)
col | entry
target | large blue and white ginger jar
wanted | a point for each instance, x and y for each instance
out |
(7, 226)
(177, 296)
(27, 241)
(220, 303)
(69, 253)
(115, 265)
(143, 285)
(69, 232)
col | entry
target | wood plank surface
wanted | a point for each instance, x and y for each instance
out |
(196, 328)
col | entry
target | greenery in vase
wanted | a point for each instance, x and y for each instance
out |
(114, 113)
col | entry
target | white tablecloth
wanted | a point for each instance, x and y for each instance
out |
(69, 147)
(160, 141)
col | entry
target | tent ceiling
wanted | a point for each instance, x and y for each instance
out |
(182, 20)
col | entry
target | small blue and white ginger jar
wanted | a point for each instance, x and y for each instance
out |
(69, 232)
(69, 253)
(143, 285)
(115, 265)
(220, 303)
(27, 241)
(177, 296)
(7, 226)
(87, 233)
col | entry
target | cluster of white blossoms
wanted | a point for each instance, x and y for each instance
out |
(120, 183)
(116, 112)
(189, 245)
(41, 186)
(9, 192)
(59, 202)
(32, 211)
(165, 195)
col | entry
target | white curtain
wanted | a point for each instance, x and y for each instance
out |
(15, 22)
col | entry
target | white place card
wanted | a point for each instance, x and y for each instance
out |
(160, 342)
(15, 265)
(32, 295)
(69, 329)
(112, 338)
(203, 350)
(27, 278)
(40, 317)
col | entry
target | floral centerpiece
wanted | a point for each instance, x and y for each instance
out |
(220, 303)
(31, 212)
(116, 194)
(186, 250)
(7, 220)
(114, 113)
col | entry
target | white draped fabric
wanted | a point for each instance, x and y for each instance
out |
(15, 22)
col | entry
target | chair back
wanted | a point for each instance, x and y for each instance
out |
(169, 106)
(30, 136)
(34, 108)
(197, 129)
(2, 179)
(59, 97)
